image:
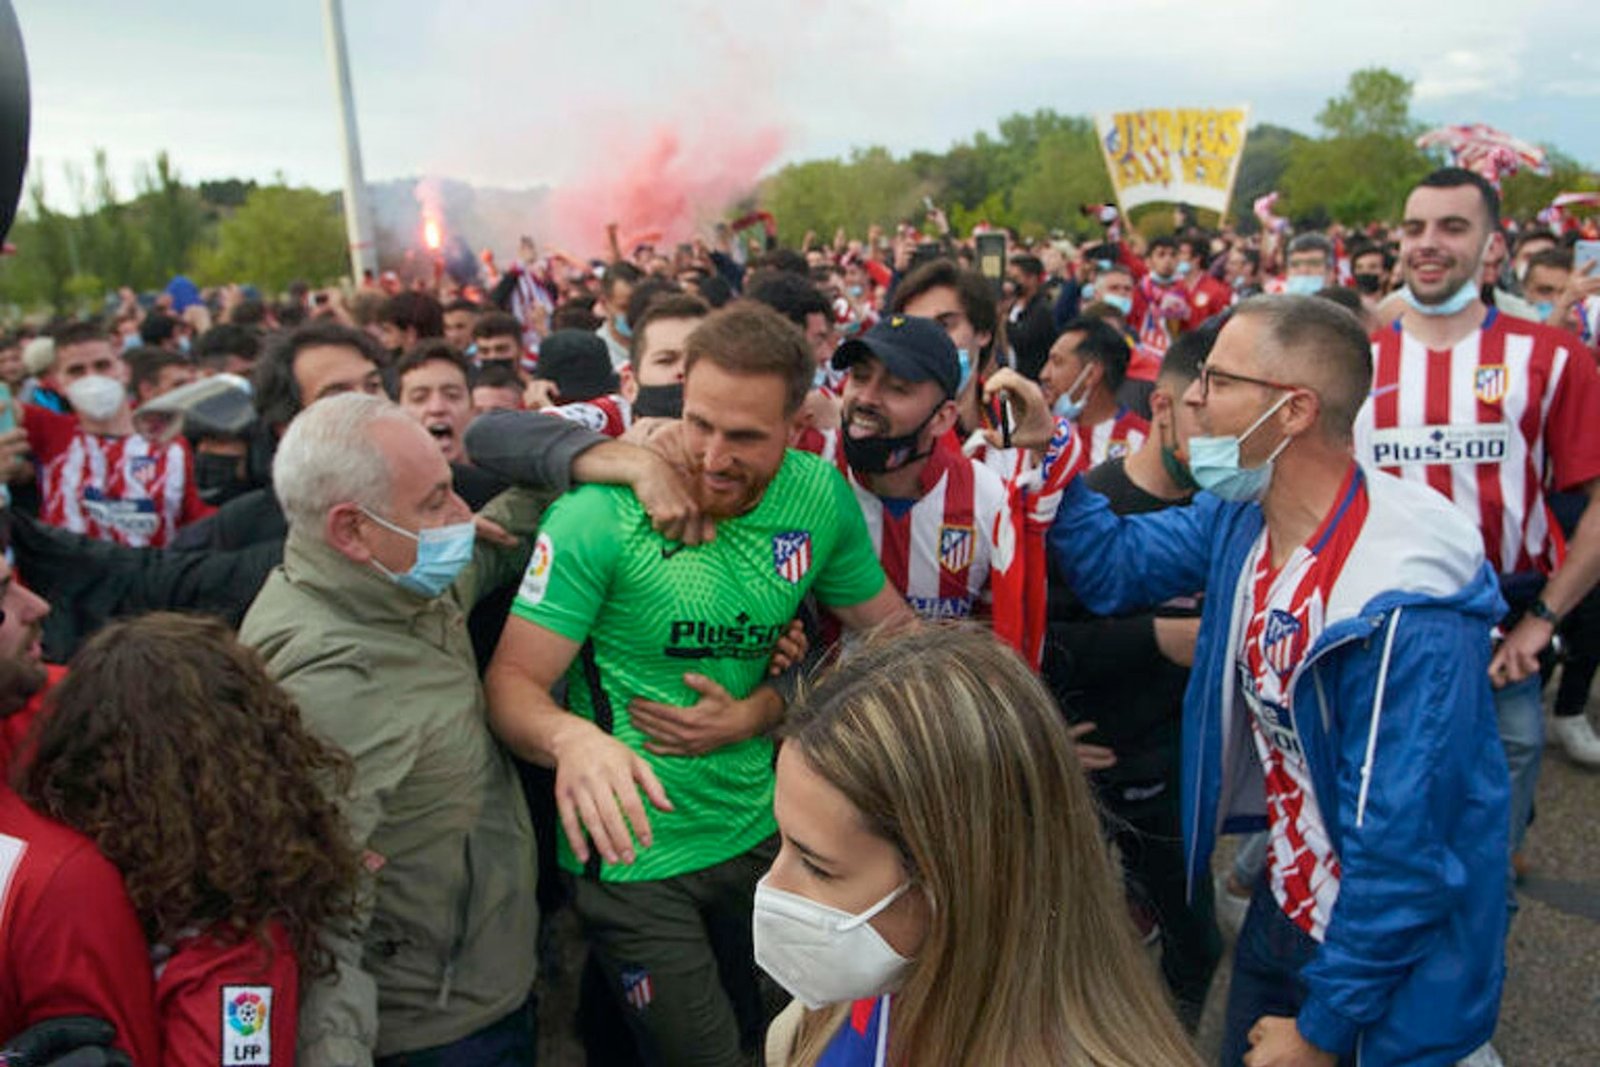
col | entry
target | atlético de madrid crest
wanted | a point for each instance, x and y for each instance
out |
(1490, 383)
(1284, 641)
(955, 548)
(791, 555)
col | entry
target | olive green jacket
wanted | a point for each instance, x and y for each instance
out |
(446, 941)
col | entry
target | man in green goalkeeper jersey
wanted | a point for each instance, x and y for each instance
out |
(664, 647)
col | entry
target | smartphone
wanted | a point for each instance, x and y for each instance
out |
(927, 202)
(992, 259)
(1585, 252)
(997, 413)
(8, 411)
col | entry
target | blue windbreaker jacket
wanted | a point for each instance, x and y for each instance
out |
(1393, 709)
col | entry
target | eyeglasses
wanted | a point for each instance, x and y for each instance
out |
(1208, 372)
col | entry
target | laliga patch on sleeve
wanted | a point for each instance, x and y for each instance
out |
(246, 1025)
(537, 578)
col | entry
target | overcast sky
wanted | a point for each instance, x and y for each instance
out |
(523, 93)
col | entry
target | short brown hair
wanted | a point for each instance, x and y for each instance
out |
(1321, 345)
(747, 337)
(671, 306)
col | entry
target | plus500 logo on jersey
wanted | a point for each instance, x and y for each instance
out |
(741, 639)
(1440, 444)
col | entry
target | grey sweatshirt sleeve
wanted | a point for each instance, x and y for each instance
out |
(529, 449)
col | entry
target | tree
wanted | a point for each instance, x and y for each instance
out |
(1266, 157)
(1368, 159)
(1377, 102)
(1525, 194)
(278, 235)
(173, 215)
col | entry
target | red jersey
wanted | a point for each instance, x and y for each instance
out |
(937, 549)
(610, 415)
(127, 490)
(70, 943)
(225, 1003)
(1286, 613)
(1154, 305)
(1117, 436)
(1483, 423)
(1207, 297)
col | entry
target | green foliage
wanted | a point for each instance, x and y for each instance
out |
(1362, 169)
(1525, 193)
(1377, 103)
(1267, 154)
(279, 234)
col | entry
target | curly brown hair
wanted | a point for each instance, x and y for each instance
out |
(170, 747)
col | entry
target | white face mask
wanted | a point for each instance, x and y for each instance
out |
(96, 397)
(822, 955)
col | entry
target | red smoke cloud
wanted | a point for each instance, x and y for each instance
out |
(662, 184)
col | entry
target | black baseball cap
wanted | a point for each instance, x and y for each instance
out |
(910, 347)
(579, 362)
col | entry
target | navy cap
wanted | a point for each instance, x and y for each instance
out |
(910, 347)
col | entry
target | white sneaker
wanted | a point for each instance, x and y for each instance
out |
(1577, 739)
(1482, 1056)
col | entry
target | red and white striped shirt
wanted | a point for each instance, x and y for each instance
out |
(939, 549)
(127, 490)
(1117, 436)
(1286, 614)
(1483, 423)
(610, 415)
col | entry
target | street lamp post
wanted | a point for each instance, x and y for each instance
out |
(357, 215)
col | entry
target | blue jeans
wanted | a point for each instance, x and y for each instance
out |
(1267, 960)
(1520, 710)
(511, 1042)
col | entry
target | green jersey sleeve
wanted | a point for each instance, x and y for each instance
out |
(851, 574)
(574, 558)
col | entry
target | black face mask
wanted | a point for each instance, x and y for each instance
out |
(880, 455)
(1368, 283)
(216, 477)
(659, 401)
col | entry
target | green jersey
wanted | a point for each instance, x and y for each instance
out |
(646, 610)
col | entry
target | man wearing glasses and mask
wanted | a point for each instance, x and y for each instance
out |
(1339, 699)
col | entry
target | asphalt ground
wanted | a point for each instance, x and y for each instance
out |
(1550, 1013)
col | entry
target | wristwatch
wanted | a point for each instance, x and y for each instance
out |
(1540, 610)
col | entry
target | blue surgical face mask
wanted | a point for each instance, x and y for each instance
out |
(819, 378)
(1303, 284)
(1214, 462)
(1184, 267)
(854, 290)
(1067, 408)
(623, 329)
(1086, 294)
(1119, 301)
(442, 551)
(1457, 301)
(1102, 264)
(1543, 309)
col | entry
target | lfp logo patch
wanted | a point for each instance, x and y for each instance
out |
(1490, 383)
(791, 555)
(246, 1025)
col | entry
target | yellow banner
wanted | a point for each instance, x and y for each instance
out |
(1174, 155)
